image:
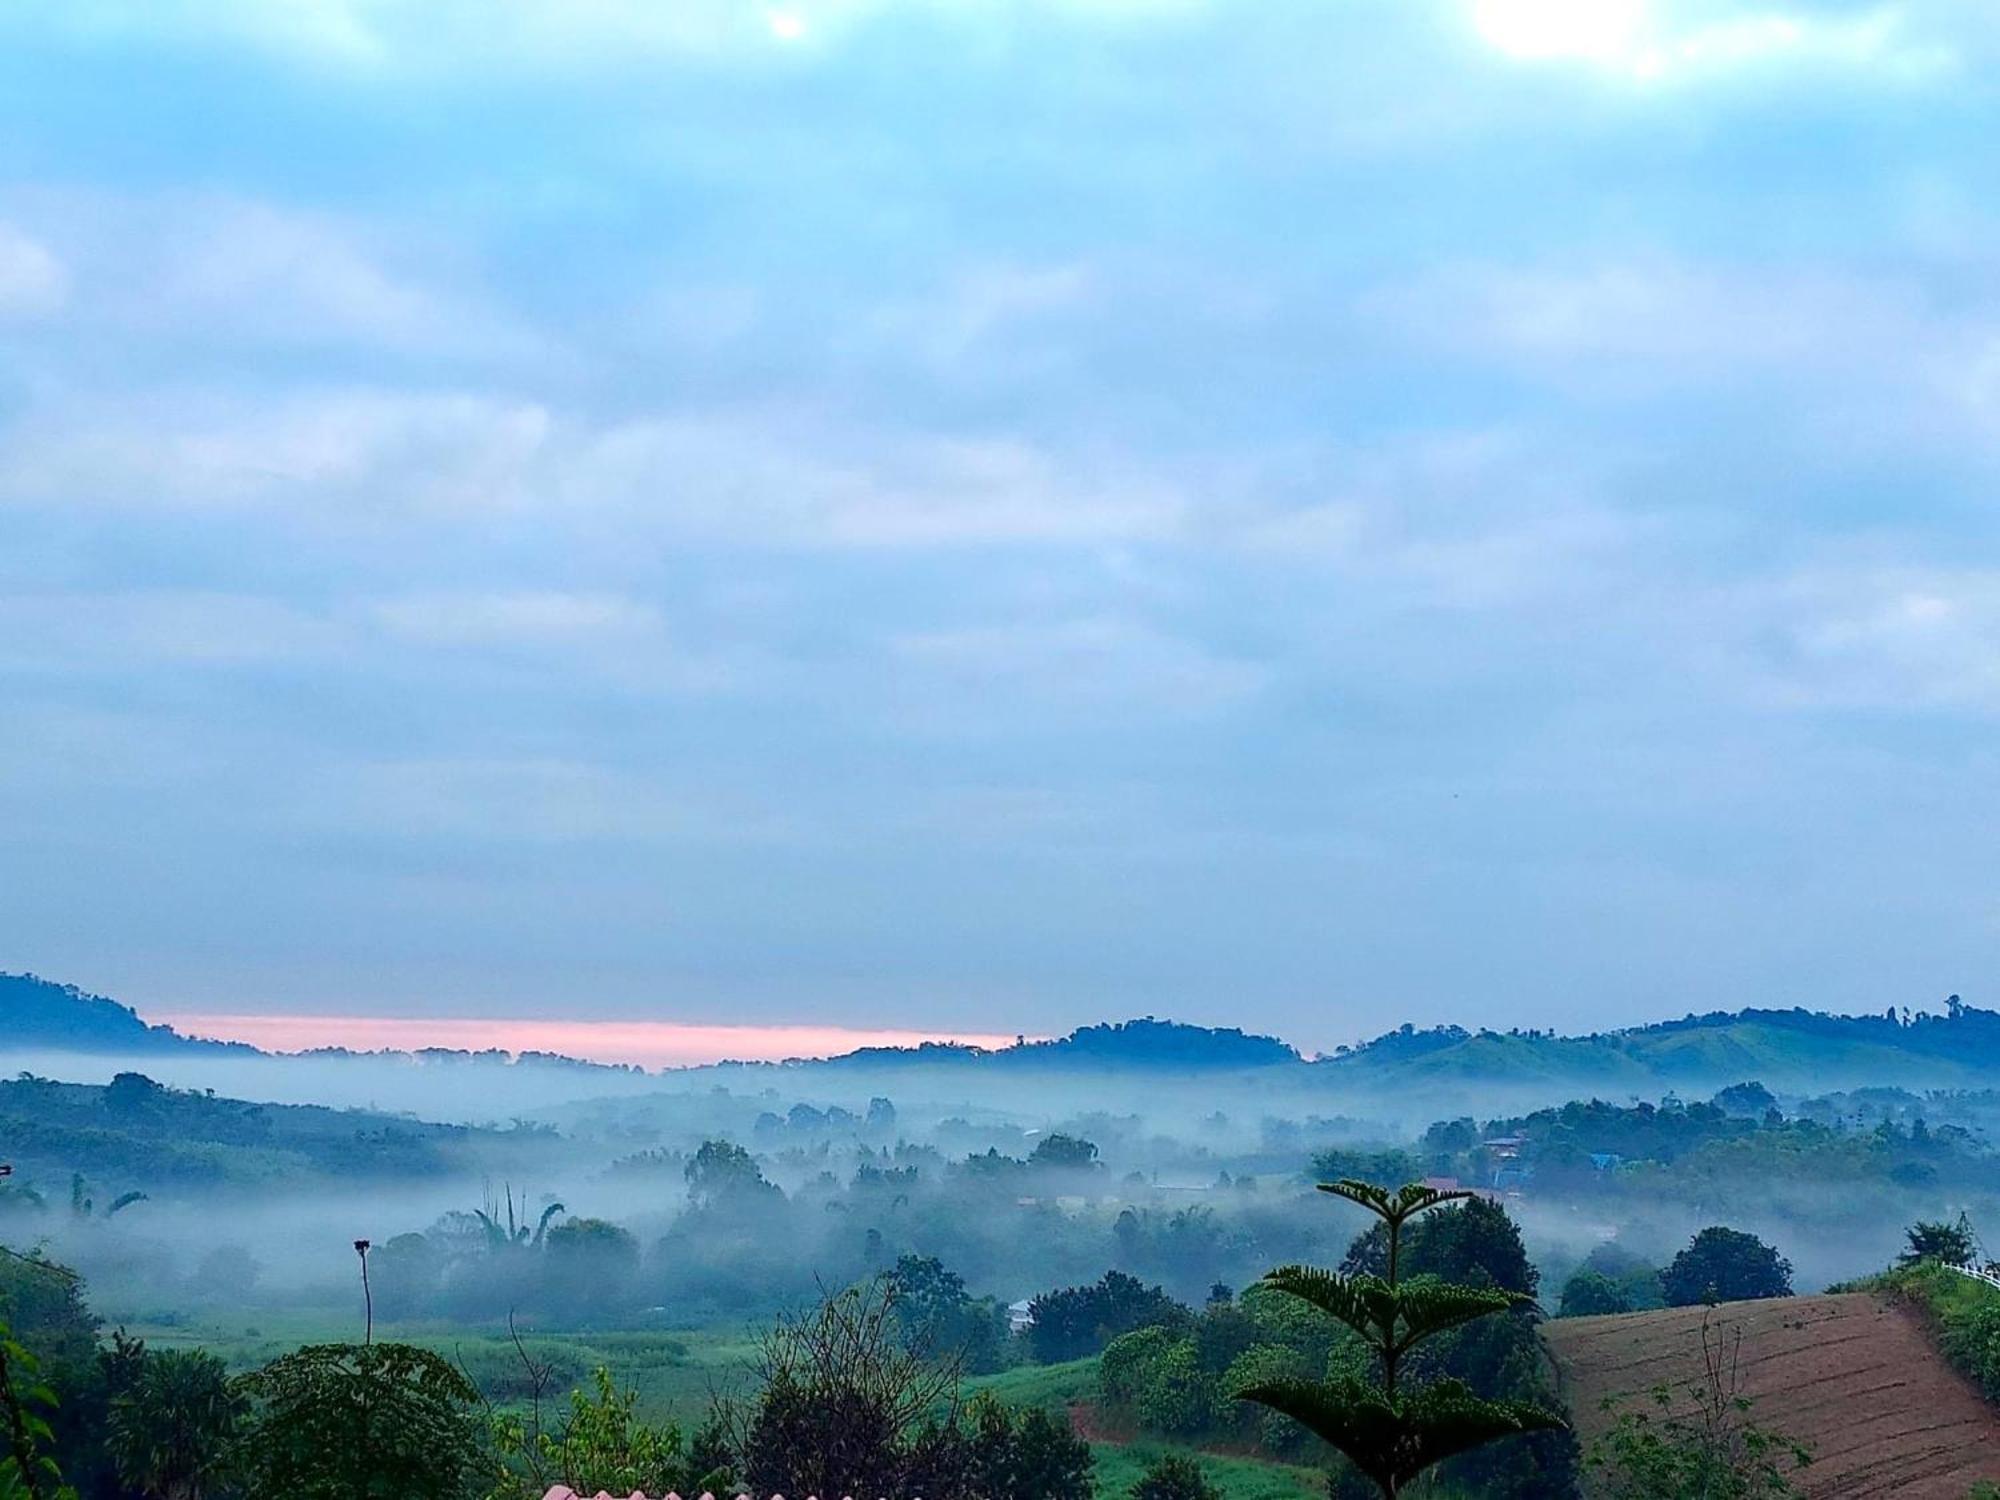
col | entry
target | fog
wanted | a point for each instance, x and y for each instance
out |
(565, 1197)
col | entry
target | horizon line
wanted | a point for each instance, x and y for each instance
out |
(647, 1044)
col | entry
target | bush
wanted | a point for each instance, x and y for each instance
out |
(1174, 1477)
(361, 1422)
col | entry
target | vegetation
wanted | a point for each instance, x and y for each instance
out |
(1725, 1265)
(1390, 1432)
(1698, 1443)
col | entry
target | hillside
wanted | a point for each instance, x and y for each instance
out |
(1788, 1049)
(134, 1133)
(1793, 1050)
(1854, 1376)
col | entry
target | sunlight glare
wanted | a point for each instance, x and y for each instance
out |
(1535, 30)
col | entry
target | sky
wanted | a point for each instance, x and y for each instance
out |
(978, 516)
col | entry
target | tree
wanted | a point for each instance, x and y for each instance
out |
(360, 1422)
(1031, 1454)
(723, 1174)
(847, 1407)
(1952, 1244)
(26, 1471)
(939, 1317)
(1066, 1151)
(1078, 1321)
(172, 1425)
(1172, 1476)
(1591, 1294)
(589, 1265)
(1388, 1431)
(1725, 1265)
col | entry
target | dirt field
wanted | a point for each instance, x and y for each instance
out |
(1853, 1376)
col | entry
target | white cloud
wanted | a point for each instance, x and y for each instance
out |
(520, 618)
(1684, 41)
(87, 631)
(33, 282)
(1091, 666)
(1889, 637)
(359, 452)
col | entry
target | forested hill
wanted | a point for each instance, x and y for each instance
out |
(1780, 1047)
(1783, 1048)
(37, 1012)
(1143, 1043)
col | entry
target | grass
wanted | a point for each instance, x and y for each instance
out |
(1041, 1385)
(1963, 1315)
(1119, 1467)
(674, 1374)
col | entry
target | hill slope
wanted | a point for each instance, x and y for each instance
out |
(1853, 1375)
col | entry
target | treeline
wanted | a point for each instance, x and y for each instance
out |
(852, 1397)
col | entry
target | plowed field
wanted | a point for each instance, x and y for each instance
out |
(1853, 1376)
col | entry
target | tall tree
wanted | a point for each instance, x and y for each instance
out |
(1388, 1430)
(172, 1425)
(1725, 1265)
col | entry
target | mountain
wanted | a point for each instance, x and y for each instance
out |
(1141, 1043)
(37, 1012)
(1796, 1048)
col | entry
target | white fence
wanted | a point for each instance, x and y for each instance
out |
(1985, 1273)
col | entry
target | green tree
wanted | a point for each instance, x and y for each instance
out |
(723, 1174)
(1076, 1321)
(1591, 1293)
(173, 1424)
(1389, 1431)
(1725, 1265)
(1031, 1454)
(1952, 1244)
(1067, 1151)
(846, 1406)
(27, 1471)
(1172, 1476)
(360, 1422)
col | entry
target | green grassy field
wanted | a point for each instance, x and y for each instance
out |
(1119, 1467)
(675, 1373)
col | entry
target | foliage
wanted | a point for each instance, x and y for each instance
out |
(1066, 1151)
(361, 1422)
(1702, 1447)
(1964, 1315)
(1031, 1454)
(1953, 1244)
(1725, 1265)
(1591, 1294)
(599, 1444)
(1173, 1476)
(27, 1471)
(1076, 1321)
(939, 1317)
(1392, 1434)
(173, 1424)
(846, 1405)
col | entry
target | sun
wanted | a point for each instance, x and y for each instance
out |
(787, 26)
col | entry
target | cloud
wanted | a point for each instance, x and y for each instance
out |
(1091, 668)
(352, 452)
(1692, 41)
(215, 271)
(1889, 638)
(33, 283)
(529, 618)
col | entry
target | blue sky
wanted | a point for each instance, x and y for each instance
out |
(982, 515)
